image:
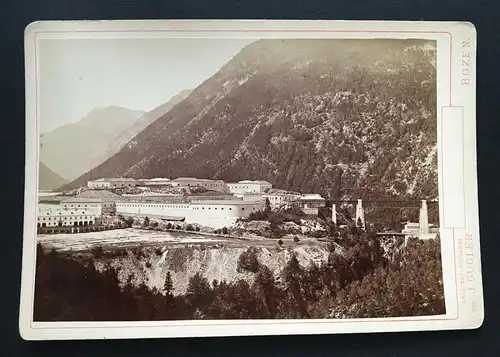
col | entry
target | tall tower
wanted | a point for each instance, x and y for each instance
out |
(424, 218)
(334, 214)
(360, 214)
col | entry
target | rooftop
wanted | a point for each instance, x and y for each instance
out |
(313, 196)
(195, 179)
(250, 181)
(82, 200)
(65, 213)
(96, 194)
(158, 179)
(224, 202)
(113, 179)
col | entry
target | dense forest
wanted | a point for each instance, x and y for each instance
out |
(343, 118)
(361, 279)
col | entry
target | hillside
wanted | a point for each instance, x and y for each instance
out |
(139, 125)
(48, 179)
(73, 149)
(358, 277)
(344, 118)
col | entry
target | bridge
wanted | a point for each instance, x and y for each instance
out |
(411, 203)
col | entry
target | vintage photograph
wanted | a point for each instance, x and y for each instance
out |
(237, 178)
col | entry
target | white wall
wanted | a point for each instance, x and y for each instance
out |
(95, 207)
(98, 184)
(67, 220)
(253, 187)
(153, 208)
(219, 215)
(209, 185)
(213, 215)
(244, 187)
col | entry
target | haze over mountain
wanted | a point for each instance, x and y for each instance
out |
(343, 118)
(48, 179)
(73, 149)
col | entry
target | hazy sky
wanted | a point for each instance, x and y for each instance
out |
(79, 75)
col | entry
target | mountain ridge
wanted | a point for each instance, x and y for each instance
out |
(48, 179)
(344, 118)
(110, 128)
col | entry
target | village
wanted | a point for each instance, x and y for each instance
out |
(189, 204)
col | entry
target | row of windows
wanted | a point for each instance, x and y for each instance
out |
(150, 205)
(221, 208)
(60, 213)
(65, 218)
(281, 198)
(60, 224)
(215, 208)
(67, 205)
(205, 184)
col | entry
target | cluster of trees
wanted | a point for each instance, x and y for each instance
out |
(358, 280)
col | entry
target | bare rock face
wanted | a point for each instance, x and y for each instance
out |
(151, 266)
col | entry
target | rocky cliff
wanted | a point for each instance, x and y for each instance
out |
(150, 266)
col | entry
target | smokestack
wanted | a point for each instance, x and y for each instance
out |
(334, 214)
(360, 213)
(424, 218)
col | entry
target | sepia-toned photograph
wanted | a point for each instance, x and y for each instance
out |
(188, 179)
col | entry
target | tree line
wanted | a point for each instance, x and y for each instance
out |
(359, 279)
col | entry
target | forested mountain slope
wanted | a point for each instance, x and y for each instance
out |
(344, 118)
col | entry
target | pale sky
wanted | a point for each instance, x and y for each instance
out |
(79, 75)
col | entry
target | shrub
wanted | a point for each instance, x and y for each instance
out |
(280, 242)
(189, 228)
(97, 252)
(197, 229)
(158, 251)
(129, 222)
(248, 261)
(225, 231)
(178, 227)
(154, 224)
(148, 265)
(256, 216)
(296, 239)
(169, 225)
(145, 223)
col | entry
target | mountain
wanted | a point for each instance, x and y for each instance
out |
(73, 149)
(343, 118)
(142, 123)
(67, 151)
(48, 179)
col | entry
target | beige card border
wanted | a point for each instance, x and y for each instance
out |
(456, 104)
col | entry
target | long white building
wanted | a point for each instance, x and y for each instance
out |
(112, 182)
(247, 186)
(97, 205)
(211, 213)
(214, 185)
(65, 218)
(159, 181)
(278, 199)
